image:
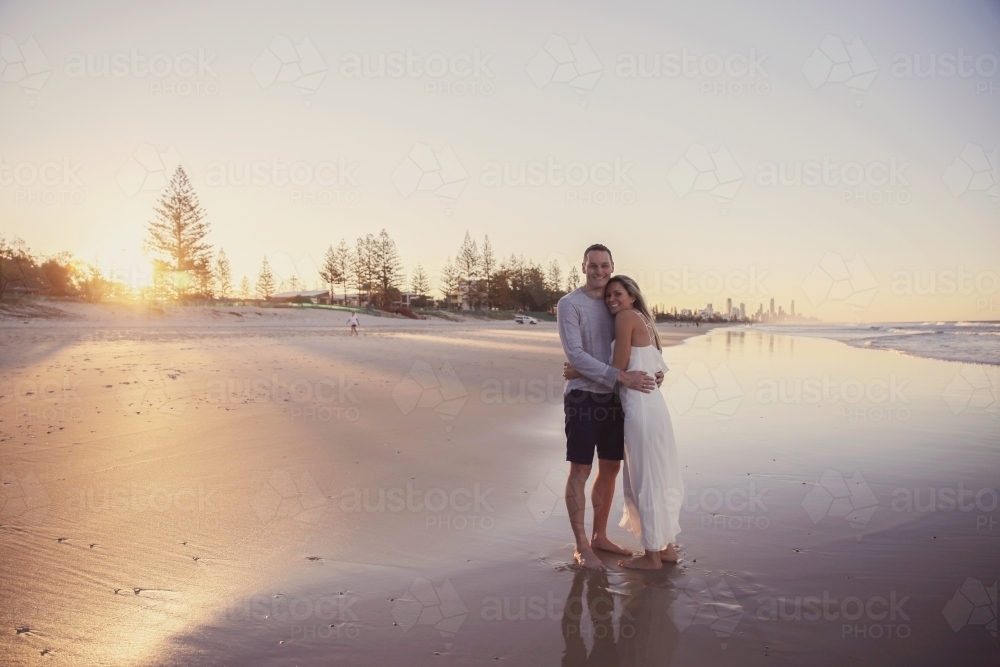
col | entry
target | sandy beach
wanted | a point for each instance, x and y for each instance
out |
(244, 486)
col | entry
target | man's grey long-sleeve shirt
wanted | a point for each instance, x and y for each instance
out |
(587, 329)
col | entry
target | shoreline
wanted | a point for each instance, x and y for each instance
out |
(858, 340)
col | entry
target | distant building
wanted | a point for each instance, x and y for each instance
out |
(405, 299)
(308, 296)
(772, 307)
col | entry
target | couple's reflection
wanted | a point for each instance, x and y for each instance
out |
(626, 624)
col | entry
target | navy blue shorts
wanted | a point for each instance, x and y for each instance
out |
(593, 421)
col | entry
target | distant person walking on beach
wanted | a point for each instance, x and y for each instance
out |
(353, 321)
(593, 412)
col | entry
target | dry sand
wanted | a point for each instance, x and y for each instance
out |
(244, 486)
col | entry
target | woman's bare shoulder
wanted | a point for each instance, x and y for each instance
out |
(621, 316)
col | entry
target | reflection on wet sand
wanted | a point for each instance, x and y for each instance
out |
(625, 625)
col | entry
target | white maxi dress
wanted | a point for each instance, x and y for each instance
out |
(651, 480)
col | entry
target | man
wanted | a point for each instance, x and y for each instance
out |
(594, 417)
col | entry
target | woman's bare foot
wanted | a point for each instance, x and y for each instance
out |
(669, 555)
(588, 560)
(647, 561)
(605, 544)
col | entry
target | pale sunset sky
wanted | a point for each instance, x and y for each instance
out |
(841, 155)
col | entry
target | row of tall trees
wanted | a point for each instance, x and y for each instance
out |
(185, 266)
(24, 272)
(477, 280)
(372, 267)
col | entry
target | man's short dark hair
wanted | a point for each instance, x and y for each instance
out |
(602, 248)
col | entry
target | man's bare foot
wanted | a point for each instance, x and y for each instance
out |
(588, 560)
(669, 555)
(605, 544)
(647, 561)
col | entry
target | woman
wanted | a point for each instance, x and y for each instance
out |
(652, 480)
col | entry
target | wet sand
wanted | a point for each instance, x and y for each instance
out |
(216, 489)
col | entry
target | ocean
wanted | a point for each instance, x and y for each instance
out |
(968, 342)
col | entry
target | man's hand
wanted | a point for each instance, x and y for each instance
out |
(638, 380)
(659, 378)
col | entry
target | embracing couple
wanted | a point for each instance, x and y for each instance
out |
(613, 405)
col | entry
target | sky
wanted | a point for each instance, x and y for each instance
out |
(841, 155)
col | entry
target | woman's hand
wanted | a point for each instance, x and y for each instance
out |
(569, 372)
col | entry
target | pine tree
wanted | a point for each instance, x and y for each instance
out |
(418, 283)
(467, 261)
(572, 280)
(487, 270)
(265, 281)
(343, 258)
(223, 275)
(205, 279)
(363, 263)
(451, 279)
(330, 270)
(177, 234)
(245, 288)
(468, 265)
(388, 268)
(555, 276)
